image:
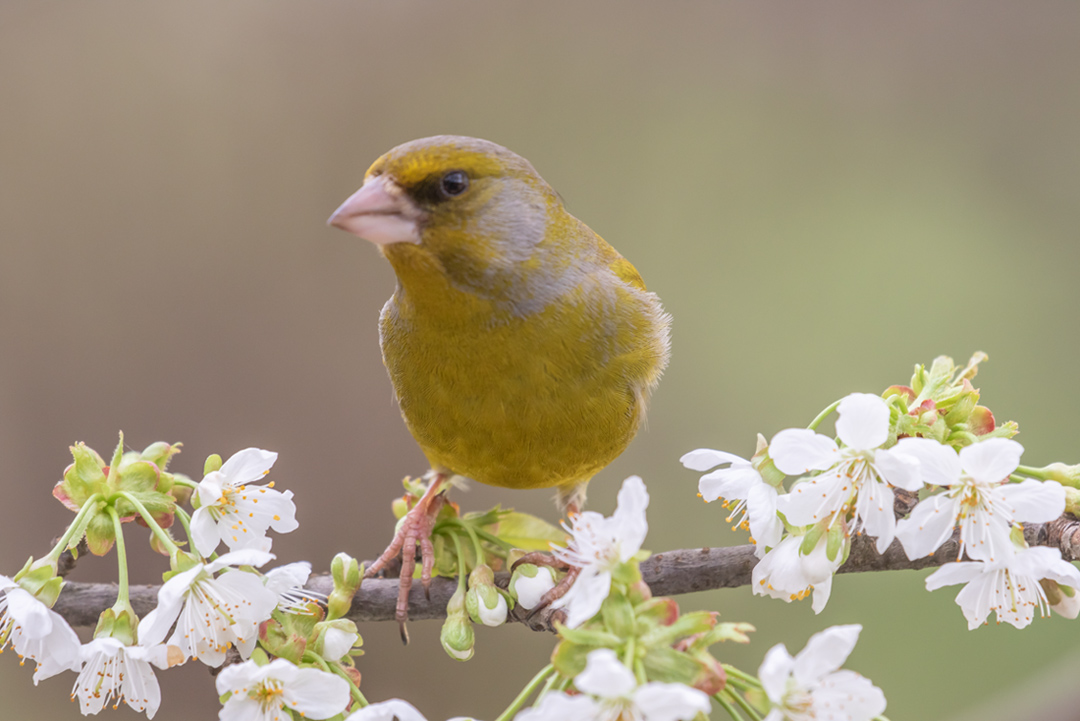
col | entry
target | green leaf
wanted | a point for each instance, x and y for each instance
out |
(528, 532)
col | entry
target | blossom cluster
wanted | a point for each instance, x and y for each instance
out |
(208, 604)
(930, 442)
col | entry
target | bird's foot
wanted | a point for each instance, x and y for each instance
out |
(415, 528)
(543, 558)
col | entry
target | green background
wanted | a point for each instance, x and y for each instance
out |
(823, 194)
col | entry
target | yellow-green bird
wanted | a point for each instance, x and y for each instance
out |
(522, 347)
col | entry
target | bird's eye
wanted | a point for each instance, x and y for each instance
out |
(455, 183)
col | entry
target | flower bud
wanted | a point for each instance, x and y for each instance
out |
(335, 639)
(278, 640)
(1063, 599)
(483, 601)
(457, 636)
(345, 571)
(529, 584)
(763, 464)
(1068, 476)
(213, 463)
(661, 611)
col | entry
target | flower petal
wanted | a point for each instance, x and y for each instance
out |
(765, 526)
(703, 459)
(670, 702)
(204, 531)
(248, 466)
(899, 469)
(774, 672)
(953, 573)
(864, 421)
(628, 521)
(992, 460)
(733, 482)
(317, 694)
(1034, 501)
(939, 464)
(800, 450)
(824, 653)
(585, 597)
(605, 676)
(930, 524)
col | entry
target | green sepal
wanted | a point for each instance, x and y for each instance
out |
(588, 636)
(618, 614)
(810, 540)
(626, 574)
(569, 658)
(834, 541)
(688, 624)
(663, 663)
(40, 580)
(100, 534)
(735, 632)
(161, 453)
(661, 611)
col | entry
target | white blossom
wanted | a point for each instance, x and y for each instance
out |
(856, 477)
(267, 693)
(755, 507)
(212, 613)
(812, 686)
(597, 545)
(1009, 586)
(112, 670)
(235, 511)
(610, 692)
(36, 632)
(978, 498)
(287, 583)
(787, 574)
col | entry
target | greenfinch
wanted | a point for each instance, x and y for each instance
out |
(522, 348)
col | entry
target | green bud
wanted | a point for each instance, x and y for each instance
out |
(457, 636)
(213, 463)
(283, 642)
(160, 453)
(1072, 501)
(1068, 476)
(119, 622)
(484, 603)
(659, 611)
(764, 465)
(529, 583)
(345, 570)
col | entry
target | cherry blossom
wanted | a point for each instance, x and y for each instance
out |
(856, 477)
(598, 544)
(268, 693)
(235, 511)
(978, 498)
(610, 692)
(212, 613)
(112, 670)
(1009, 586)
(812, 686)
(36, 632)
(787, 574)
(755, 506)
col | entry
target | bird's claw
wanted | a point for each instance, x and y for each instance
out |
(415, 529)
(542, 558)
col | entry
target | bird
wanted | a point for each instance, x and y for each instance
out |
(522, 348)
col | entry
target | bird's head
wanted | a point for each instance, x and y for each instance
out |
(463, 207)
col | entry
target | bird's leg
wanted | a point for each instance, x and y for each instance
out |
(415, 528)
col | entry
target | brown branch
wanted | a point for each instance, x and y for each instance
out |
(668, 574)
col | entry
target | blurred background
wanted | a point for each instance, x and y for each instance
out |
(823, 195)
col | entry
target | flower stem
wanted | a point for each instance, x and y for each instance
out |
(61, 545)
(526, 692)
(727, 707)
(157, 530)
(742, 675)
(743, 704)
(461, 565)
(185, 521)
(122, 598)
(547, 686)
(1039, 473)
(822, 416)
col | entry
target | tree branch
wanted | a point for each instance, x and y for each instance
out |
(668, 574)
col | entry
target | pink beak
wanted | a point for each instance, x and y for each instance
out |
(379, 212)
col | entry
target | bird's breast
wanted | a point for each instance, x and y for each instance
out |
(540, 400)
